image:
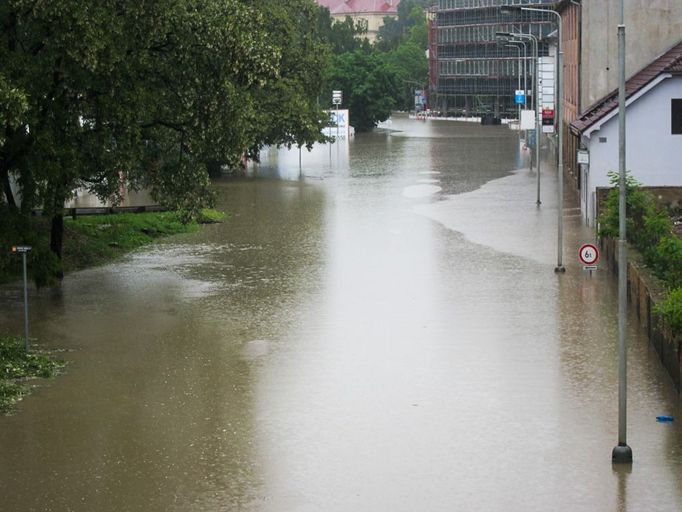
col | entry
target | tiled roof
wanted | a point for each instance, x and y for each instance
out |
(669, 62)
(330, 4)
(360, 6)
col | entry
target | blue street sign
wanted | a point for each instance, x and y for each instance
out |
(520, 97)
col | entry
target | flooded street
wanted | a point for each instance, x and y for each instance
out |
(379, 329)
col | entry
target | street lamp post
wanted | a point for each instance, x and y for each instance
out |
(518, 74)
(525, 58)
(560, 121)
(622, 454)
(535, 99)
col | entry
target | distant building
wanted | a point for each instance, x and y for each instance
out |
(369, 12)
(471, 71)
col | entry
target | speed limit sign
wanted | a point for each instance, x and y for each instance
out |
(589, 255)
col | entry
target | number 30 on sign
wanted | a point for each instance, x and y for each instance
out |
(589, 255)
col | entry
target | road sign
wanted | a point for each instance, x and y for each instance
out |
(337, 97)
(583, 157)
(589, 255)
(520, 97)
(21, 248)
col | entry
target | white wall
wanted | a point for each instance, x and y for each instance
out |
(653, 154)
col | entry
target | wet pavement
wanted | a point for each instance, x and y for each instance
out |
(377, 329)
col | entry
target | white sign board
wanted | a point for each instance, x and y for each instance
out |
(528, 119)
(342, 122)
(583, 157)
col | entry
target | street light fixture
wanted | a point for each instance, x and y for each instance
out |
(518, 74)
(622, 454)
(515, 35)
(560, 121)
(525, 57)
(560, 116)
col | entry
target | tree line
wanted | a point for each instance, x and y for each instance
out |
(382, 77)
(160, 94)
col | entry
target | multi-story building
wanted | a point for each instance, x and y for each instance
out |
(474, 72)
(370, 13)
(591, 66)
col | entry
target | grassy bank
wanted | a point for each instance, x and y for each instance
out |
(88, 241)
(18, 368)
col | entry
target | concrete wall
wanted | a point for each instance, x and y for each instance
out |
(653, 154)
(652, 27)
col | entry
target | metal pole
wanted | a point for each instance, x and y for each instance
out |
(560, 208)
(560, 121)
(518, 74)
(23, 255)
(536, 100)
(622, 454)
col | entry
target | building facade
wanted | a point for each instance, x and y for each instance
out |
(654, 131)
(472, 71)
(370, 13)
(590, 43)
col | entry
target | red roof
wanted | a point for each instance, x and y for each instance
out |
(330, 4)
(669, 62)
(360, 6)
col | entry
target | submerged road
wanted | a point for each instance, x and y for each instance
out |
(384, 332)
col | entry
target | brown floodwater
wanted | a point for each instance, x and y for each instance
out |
(377, 329)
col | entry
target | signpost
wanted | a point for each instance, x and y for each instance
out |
(583, 157)
(589, 256)
(520, 97)
(337, 99)
(24, 250)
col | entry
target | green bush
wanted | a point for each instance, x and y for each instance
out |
(649, 230)
(667, 260)
(670, 310)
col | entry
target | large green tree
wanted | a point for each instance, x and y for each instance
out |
(368, 86)
(92, 93)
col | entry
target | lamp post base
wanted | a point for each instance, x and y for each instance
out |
(559, 269)
(622, 454)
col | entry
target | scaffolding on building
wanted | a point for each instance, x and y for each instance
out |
(471, 71)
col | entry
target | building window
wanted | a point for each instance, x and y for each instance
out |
(676, 116)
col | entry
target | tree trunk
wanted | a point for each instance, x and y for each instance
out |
(57, 238)
(7, 188)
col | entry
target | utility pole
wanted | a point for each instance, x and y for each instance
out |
(622, 454)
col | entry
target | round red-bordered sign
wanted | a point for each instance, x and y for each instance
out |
(588, 254)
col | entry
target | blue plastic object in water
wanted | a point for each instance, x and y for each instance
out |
(664, 419)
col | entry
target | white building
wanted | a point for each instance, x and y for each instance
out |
(653, 125)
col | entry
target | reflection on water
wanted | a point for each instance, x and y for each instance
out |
(379, 329)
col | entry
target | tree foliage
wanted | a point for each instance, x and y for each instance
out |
(150, 93)
(368, 87)
(383, 77)
(649, 230)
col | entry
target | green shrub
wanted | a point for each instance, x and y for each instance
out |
(649, 230)
(670, 310)
(667, 260)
